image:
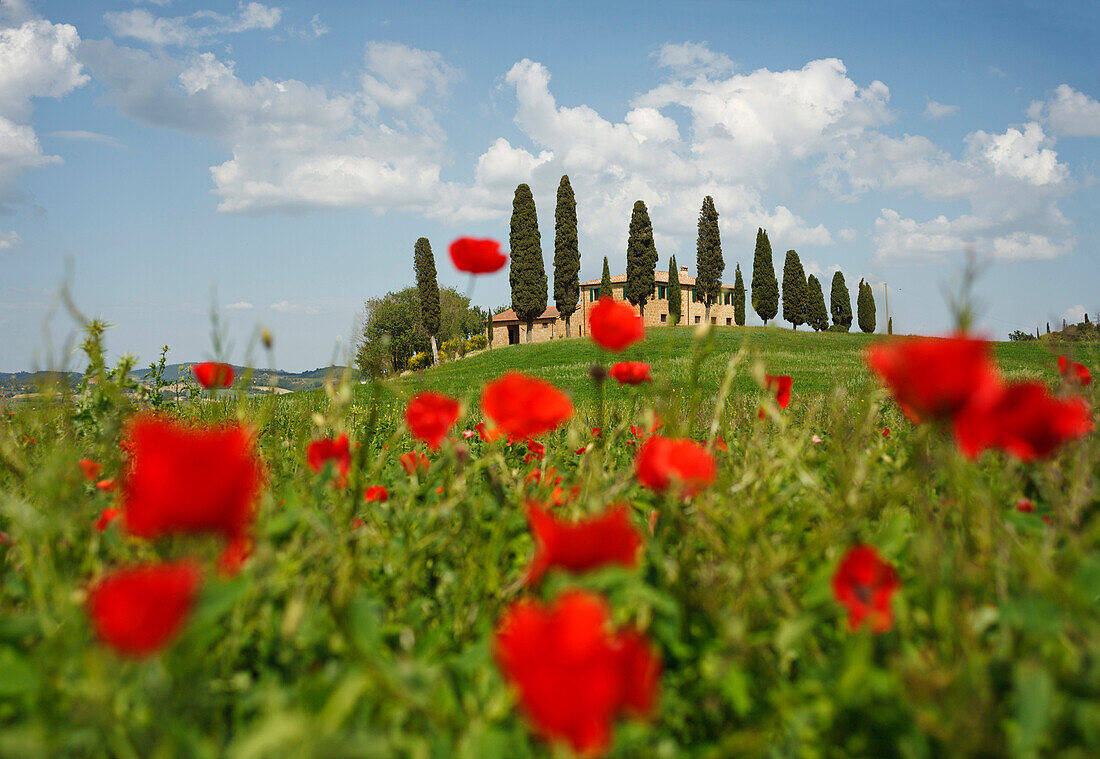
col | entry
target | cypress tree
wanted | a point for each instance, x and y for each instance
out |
(528, 273)
(865, 307)
(567, 256)
(765, 287)
(794, 290)
(739, 298)
(1048, 328)
(428, 289)
(641, 258)
(840, 303)
(605, 281)
(817, 316)
(708, 257)
(675, 296)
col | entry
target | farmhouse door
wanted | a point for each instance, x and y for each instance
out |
(513, 334)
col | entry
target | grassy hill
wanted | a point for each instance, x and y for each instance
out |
(816, 361)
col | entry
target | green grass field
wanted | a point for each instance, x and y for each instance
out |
(817, 362)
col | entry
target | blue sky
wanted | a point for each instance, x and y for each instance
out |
(290, 154)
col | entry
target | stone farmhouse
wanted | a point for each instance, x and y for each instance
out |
(509, 330)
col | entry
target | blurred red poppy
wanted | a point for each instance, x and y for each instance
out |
(631, 372)
(932, 377)
(139, 610)
(1024, 419)
(187, 479)
(376, 494)
(574, 674)
(585, 544)
(430, 415)
(781, 386)
(90, 469)
(614, 325)
(106, 485)
(106, 517)
(681, 464)
(213, 374)
(477, 256)
(886, 432)
(864, 584)
(535, 451)
(1074, 371)
(413, 462)
(524, 406)
(336, 450)
(1025, 505)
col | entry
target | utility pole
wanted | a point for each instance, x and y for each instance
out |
(886, 302)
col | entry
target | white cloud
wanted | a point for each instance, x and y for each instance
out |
(82, 136)
(8, 240)
(997, 72)
(292, 307)
(191, 30)
(847, 235)
(240, 305)
(1074, 314)
(315, 29)
(694, 58)
(36, 60)
(1069, 113)
(1020, 155)
(934, 110)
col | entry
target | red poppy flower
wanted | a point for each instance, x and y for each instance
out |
(137, 611)
(720, 444)
(1025, 505)
(106, 485)
(106, 517)
(664, 462)
(90, 469)
(336, 450)
(413, 462)
(886, 432)
(581, 450)
(1076, 372)
(1024, 420)
(864, 585)
(486, 433)
(614, 325)
(535, 451)
(577, 546)
(477, 256)
(573, 673)
(597, 432)
(430, 415)
(524, 406)
(934, 377)
(234, 556)
(467, 434)
(213, 374)
(631, 372)
(781, 386)
(376, 494)
(186, 479)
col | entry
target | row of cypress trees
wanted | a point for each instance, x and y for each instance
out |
(803, 300)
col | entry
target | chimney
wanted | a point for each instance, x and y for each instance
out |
(683, 269)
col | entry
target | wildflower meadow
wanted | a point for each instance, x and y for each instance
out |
(657, 568)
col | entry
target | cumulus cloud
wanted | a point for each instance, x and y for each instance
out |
(195, 29)
(695, 58)
(1074, 314)
(1068, 112)
(316, 28)
(8, 240)
(241, 305)
(934, 110)
(36, 60)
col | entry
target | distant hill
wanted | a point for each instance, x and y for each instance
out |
(24, 383)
